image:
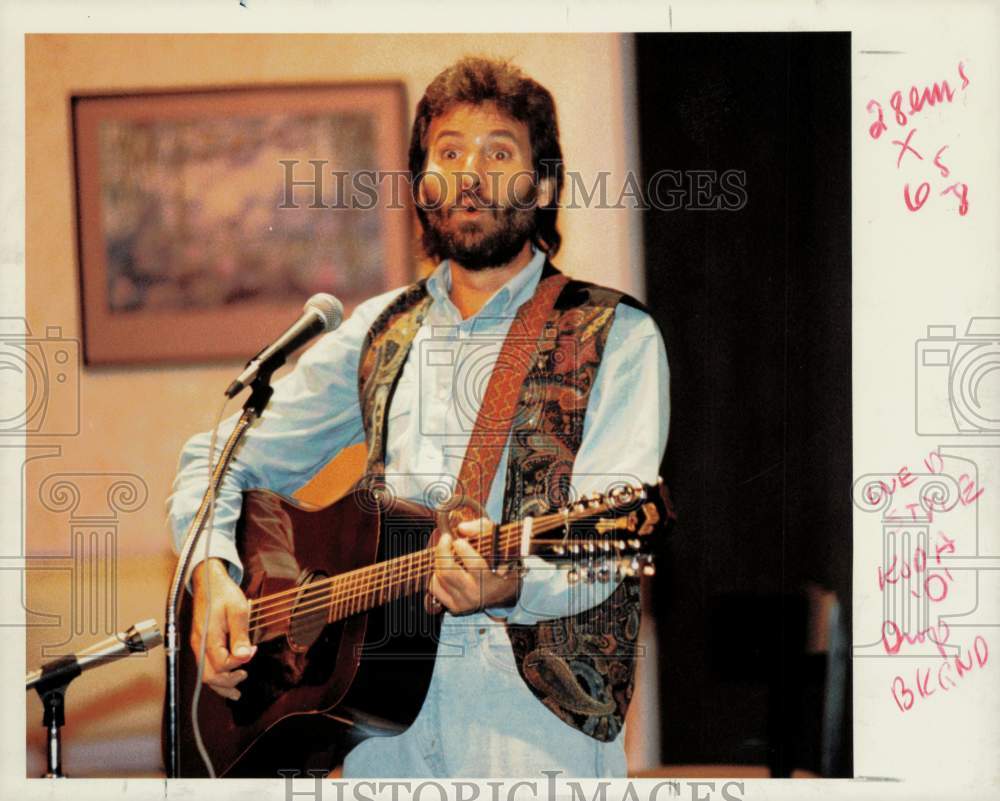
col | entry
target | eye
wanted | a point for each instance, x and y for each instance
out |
(449, 153)
(501, 155)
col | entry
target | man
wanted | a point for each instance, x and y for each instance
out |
(487, 170)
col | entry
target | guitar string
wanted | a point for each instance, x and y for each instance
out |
(311, 598)
(510, 533)
(419, 568)
(358, 584)
(325, 605)
(412, 568)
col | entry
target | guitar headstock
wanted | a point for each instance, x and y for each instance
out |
(605, 532)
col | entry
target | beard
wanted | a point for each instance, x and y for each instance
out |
(472, 243)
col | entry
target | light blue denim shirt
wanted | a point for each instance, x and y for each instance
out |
(479, 718)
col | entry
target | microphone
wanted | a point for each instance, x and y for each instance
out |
(321, 314)
(136, 640)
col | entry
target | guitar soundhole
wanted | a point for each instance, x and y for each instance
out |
(309, 615)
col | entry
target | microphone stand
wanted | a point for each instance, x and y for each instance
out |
(53, 679)
(260, 395)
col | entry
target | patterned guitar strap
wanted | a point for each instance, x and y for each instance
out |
(496, 414)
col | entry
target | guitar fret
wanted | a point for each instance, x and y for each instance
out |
(380, 591)
(350, 593)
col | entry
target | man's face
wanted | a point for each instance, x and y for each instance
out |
(479, 192)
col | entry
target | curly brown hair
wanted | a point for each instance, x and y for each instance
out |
(477, 80)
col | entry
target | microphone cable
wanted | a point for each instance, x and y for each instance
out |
(199, 743)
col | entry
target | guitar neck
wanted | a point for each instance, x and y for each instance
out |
(339, 597)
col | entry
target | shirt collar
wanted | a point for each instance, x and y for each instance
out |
(506, 299)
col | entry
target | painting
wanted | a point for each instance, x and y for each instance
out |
(206, 219)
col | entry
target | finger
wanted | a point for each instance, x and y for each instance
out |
(237, 616)
(226, 692)
(444, 558)
(443, 595)
(470, 556)
(228, 679)
(473, 528)
(235, 661)
(452, 578)
(215, 646)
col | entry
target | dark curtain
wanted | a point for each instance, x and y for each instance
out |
(755, 307)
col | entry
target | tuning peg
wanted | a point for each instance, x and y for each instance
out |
(588, 546)
(603, 574)
(572, 576)
(634, 544)
(605, 546)
(648, 568)
(574, 548)
(619, 545)
(558, 550)
(589, 574)
(627, 569)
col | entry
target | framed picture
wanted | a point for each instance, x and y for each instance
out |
(206, 219)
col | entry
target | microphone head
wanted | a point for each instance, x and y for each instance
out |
(149, 635)
(328, 307)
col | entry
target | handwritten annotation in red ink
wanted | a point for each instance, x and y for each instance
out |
(903, 108)
(968, 491)
(946, 675)
(893, 638)
(933, 586)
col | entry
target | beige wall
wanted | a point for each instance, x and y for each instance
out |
(134, 421)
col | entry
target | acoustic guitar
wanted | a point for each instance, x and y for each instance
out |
(346, 645)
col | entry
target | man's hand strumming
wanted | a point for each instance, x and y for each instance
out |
(227, 642)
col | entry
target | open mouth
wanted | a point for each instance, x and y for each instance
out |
(470, 207)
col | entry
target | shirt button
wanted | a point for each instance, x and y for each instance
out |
(482, 631)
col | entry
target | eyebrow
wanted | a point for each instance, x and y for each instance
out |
(496, 133)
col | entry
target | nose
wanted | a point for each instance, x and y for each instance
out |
(472, 173)
(469, 179)
(474, 170)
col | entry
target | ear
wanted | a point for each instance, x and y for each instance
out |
(546, 191)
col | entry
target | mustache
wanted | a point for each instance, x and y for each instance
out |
(474, 200)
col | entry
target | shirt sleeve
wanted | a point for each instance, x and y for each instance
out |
(313, 413)
(624, 438)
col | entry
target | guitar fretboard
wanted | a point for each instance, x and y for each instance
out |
(339, 597)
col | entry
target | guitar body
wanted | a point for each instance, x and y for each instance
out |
(314, 689)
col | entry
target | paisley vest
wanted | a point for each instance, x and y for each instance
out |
(582, 667)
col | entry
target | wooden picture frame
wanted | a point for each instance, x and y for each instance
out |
(206, 219)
